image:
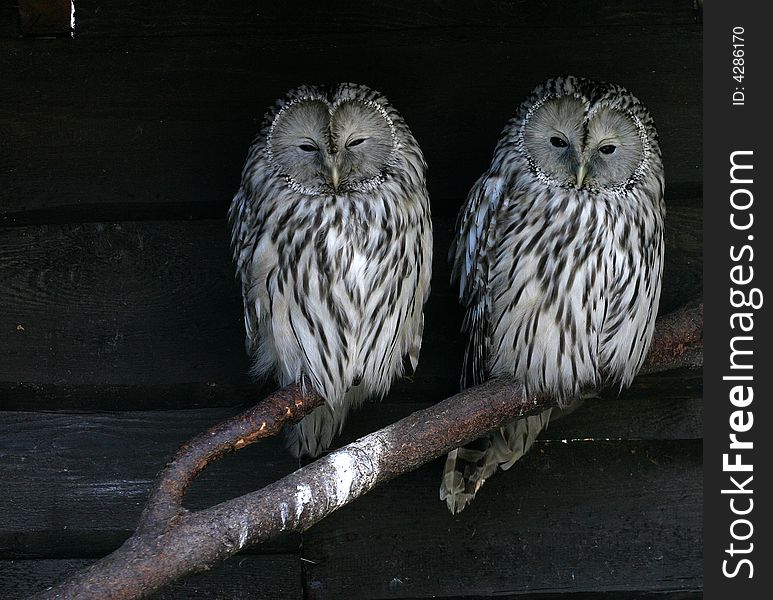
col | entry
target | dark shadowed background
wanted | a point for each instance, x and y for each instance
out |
(120, 320)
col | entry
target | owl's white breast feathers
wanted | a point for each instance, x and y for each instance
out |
(553, 296)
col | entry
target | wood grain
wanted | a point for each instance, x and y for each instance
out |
(9, 19)
(580, 517)
(229, 17)
(120, 320)
(45, 18)
(78, 481)
(155, 304)
(667, 406)
(243, 578)
(598, 595)
(119, 303)
(683, 267)
(168, 120)
(74, 484)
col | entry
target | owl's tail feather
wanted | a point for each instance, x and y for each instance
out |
(314, 434)
(467, 469)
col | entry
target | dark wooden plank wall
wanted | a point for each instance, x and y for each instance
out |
(120, 324)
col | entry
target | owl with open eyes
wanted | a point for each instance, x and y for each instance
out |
(332, 239)
(559, 257)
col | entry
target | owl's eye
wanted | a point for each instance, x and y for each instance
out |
(558, 142)
(356, 142)
(308, 147)
(608, 149)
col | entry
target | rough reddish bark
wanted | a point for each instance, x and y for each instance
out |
(678, 341)
(171, 541)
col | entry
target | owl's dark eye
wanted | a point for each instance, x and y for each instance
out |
(608, 149)
(558, 142)
(308, 147)
(356, 142)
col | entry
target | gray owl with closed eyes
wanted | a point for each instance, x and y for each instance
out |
(332, 240)
(559, 257)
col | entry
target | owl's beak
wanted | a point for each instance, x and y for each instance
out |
(331, 170)
(334, 177)
(582, 171)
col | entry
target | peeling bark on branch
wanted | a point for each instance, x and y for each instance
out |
(171, 541)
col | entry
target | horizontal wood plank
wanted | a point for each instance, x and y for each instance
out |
(142, 306)
(9, 19)
(250, 577)
(599, 595)
(45, 18)
(74, 484)
(243, 17)
(103, 123)
(241, 578)
(100, 397)
(229, 17)
(683, 266)
(666, 406)
(579, 517)
(120, 303)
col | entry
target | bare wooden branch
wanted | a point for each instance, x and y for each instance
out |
(171, 541)
(678, 341)
(265, 419)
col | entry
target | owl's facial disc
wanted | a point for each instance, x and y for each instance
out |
(614, 149)
(553, 136)
(298, 143)
(574, 150)
(364, 141)
(327, 150)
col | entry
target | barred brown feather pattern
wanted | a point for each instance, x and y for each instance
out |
(559, 257)
(334, 272)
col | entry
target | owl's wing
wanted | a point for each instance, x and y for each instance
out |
(244, 238)
(471, 253)
(394, 300)
(423, 267)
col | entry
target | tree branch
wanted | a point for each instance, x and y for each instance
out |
(171, 541)
(678, 341)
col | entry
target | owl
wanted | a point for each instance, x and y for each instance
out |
(559, 256)
(332, 240)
